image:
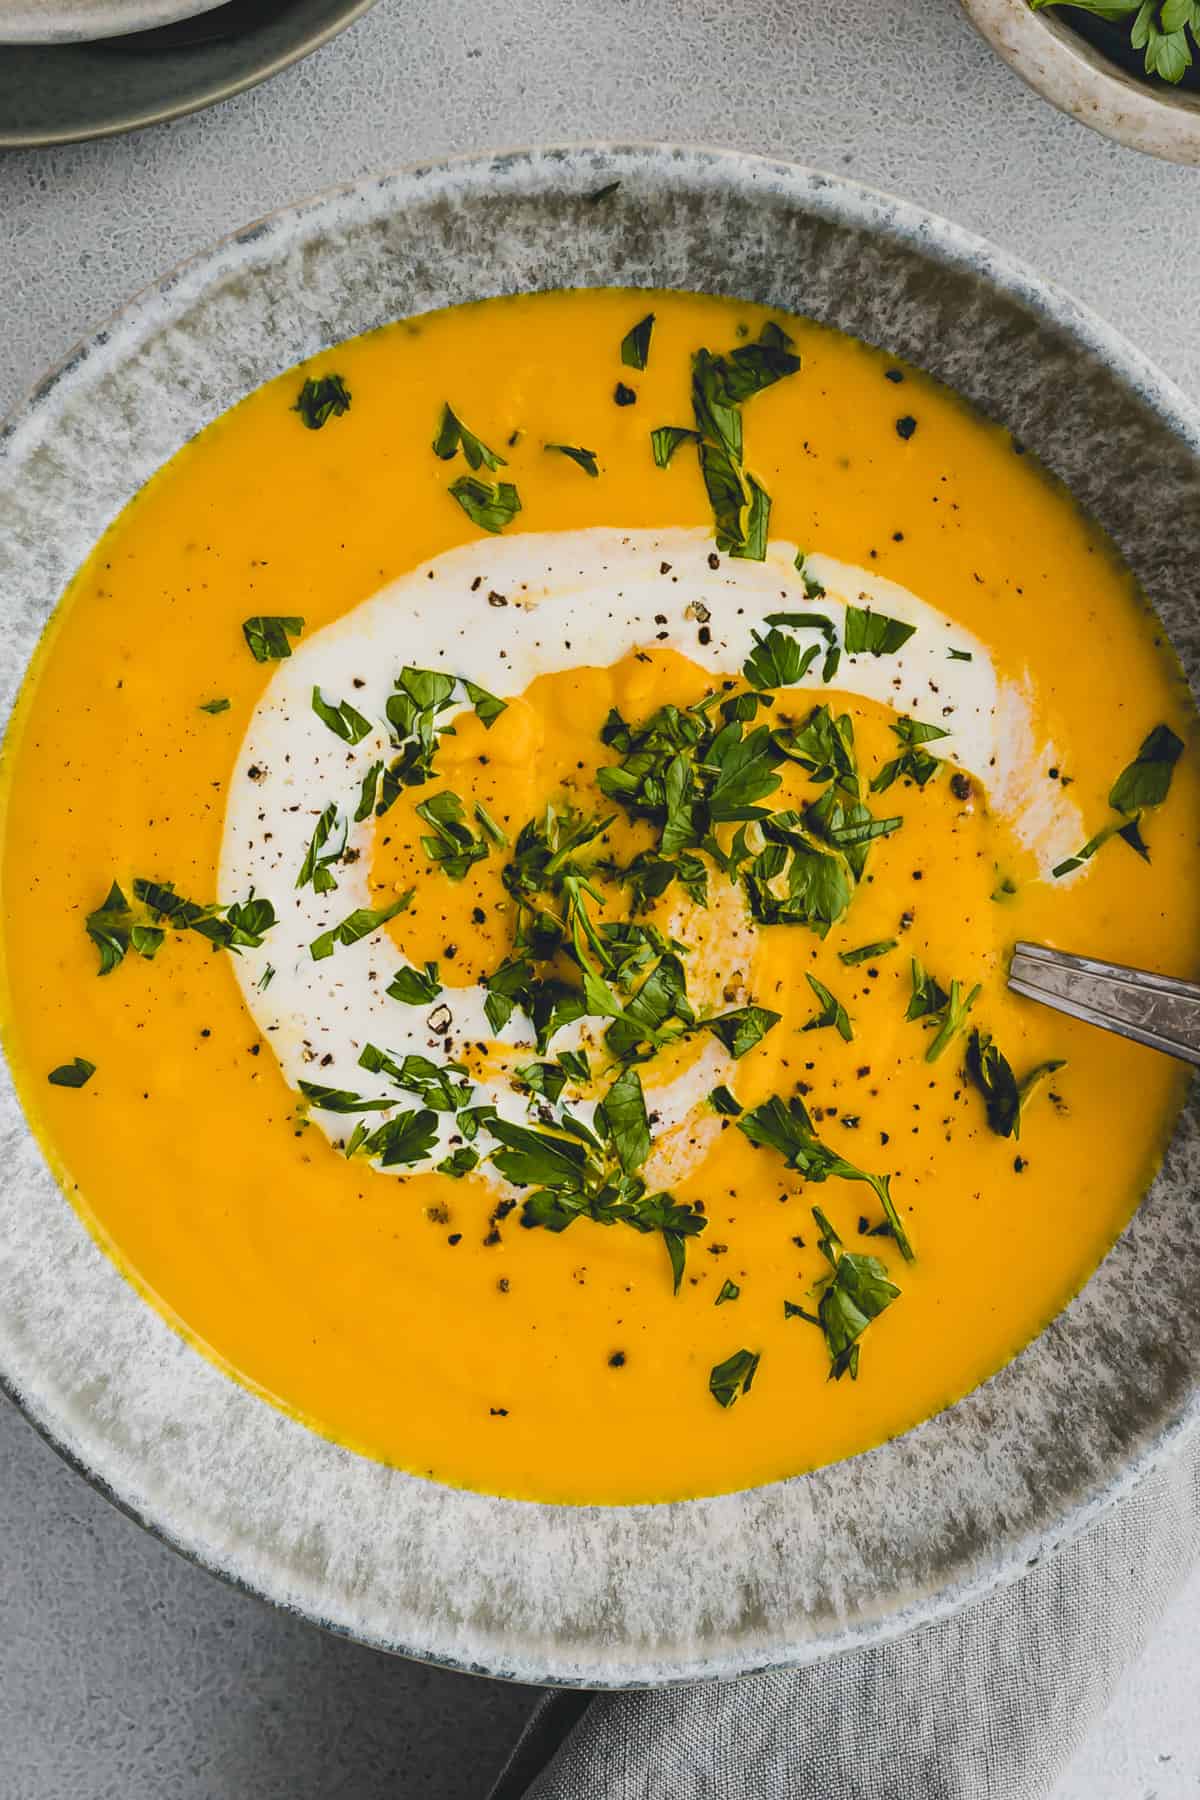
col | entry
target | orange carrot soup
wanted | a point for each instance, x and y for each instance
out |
(512, 847)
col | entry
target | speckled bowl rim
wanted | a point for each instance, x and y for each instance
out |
(1080, 81)
(88, 21)
(586, 1596)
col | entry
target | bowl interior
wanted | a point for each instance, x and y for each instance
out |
(618, 1596)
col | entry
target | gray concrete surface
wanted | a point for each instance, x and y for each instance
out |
(124, 1673)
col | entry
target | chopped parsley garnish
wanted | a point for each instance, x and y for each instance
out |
(740, 504)
(874, 633)
(75, 1074)
(214, 706)
(322, 398)
(108, 927)
(635, 345)
(729, 1291)
(413, 710)
(857, 1292)
(114, 929)
(267, 636)
(487, 707)
(460, 1162)
(341, 1100)
(342, 719)
(586, 459)
(1004, 1096)
(1144, 784)
(733, 1377)
(812, 621)
(832, 1012)
(725, 1103)
(666, 439)
(451, 843)
(914, 763)
(489, 506)
(867, 952)
(403, 1140)
(415, 987)
(453, 436)
(778, 660)
(944, 1013)
(317, 866)
(359, 924)
(959, 656)
(577, 1172)
(687, 772)
(368, 793)
(787, 1128)
(445, 1087)
(740, 1031)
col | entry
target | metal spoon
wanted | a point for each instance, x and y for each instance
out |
(1157, 1010)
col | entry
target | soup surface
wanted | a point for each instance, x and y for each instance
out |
(512, 845)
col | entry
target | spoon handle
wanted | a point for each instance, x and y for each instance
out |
(1157, 1010)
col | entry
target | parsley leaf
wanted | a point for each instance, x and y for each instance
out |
(108, 927)
(945, 1013)
(874, 633)
(635, 345)
(725, 1103)
(585, 458)
(778, 660)
(460, 1162)
(487, 707)
(742, 1029)
(1146, 782)
(407, 1138)
(733, 1377)
(453, 435)
(75, 1074)
(729, 1291)
(452, 845)
(857, 1292)
(832, 1011)
(359, 924)
(322, 398)
(214, 706)
(244, 924)
(508, 987)
(913, 762)
(1004, 1097)
(867, 952)
(490, 507)
(440, 1085)
(787, 1128)
(342, 719)
(267, 636)
(415, 987)
(317, 864)
(628, 1128)
(666, 439)
(340, 1100)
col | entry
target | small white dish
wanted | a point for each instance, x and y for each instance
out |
(1058, 64)
(85, 21)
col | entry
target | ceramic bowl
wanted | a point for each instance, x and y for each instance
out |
(84, 21)
(59, 93)
(596, 1596)
(1081, 81)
